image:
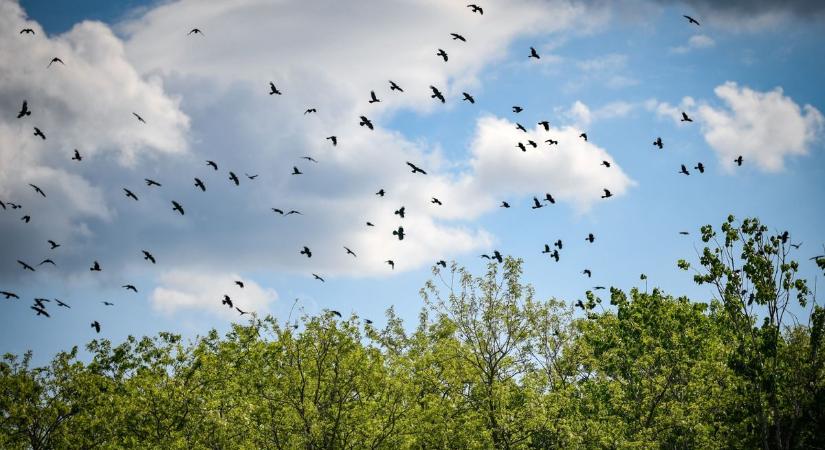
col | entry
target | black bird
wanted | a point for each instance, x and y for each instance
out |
(40, 311)
(370, 224)
(545, 124)
(534, 53)
(373, 98)
(380, 193)
(308, 158)
(395, 87)
(437, 94)
(24, 110)
(140, 119)
(441, 263)
(295, 171)
(310, 110)
(335, 313)
(47, 261)
(520, 127)
(549, 198)
(195, 31)
(684, 170)
(54, 60)
(150, 182)
(41, 302)
(148, 257)
(399, 232)
(583, 136)
(587, 272)
(415, 168)
(26, 218)
(77, 156)
(212, 164)
(496, 256)
(39, 133)
(517, 109)
(442, 54)
(521, 146)
(532, 143)
(796, 246)
(368, 321)
(130, 287)
(278, 210)
(241, 311)
(546, 249)
(9, 295)
(53, 244)
(504, 205)
(38, 190)
(400, 212)
(738, 161)
(436, 201)
(536, 203)
(59, 303)
(25, 266)
(96, 326)
(292, 211)
(580, 304)
(333, 139)
(458, 37)
(318, 277)
(700, 167)
(306, 251)
(551, 142)
(691, 19)
(366, 122)
(555, 255)
(684, 233)
(784, 237)
(177, 207)
(95, 267)
(27, 31)
(226, 301)
(239, 283)
(590, 238)
(685, 118)
(607, 194)
(606, 164)
(391, 263)
(476, 8)
(468, 98)
(199, 184)
(234, 178)
(273, 89)
(658, 143)
(130, 194)
(558, 244)
(350, 252)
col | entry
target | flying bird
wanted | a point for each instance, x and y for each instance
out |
(96, 326)
(366, 122)
(295, 171)
(308, 158)
(549, 198)
(546, 249)
(476, 8)
(437, 94)
(536, 204)
(370, 224)
(442, 54)
(39, 133)
(555, 255)
(234, 178)
(373, 98)
(335, 313)
(24, 110)
(441, 263)
(177, 207)
(399, 232)
(25, 266)
(130, 287)
(380, 193)
(306, 251)
(53, 244)
(241, 311)
(607, 194)
(685, 118)
(130, 194)
(47, 261)
(333, 139)
(199, 184)
(54, 60)
(583, 136)
(212, 164)
(318, 277)
(436, 201)
(517, 109)
(38, 190)
(700, 167)
(684, 233)
(59, 303)
(77, 156)
(458, 37)
(551, 142)
(148, 257)
(691, 20)
(41, 311)
(738, 161)
(545, 124)
(504, 205)
(195, 31)
(395, 87)
(416, 168)
(239, 283)
(273, 89)
(95, 267)
(521, 146)
(140, 119)
(520, 127)
(400, 212)
(226, 301)
(590, 238)
(150, 182)
(27, 31)
(468, 98)
(350, 252)
(587, 272)
(658, 143)
(26, 218)
(391, 263)
(534, 53)
(9, 295)
(310, 110)
(684, 170)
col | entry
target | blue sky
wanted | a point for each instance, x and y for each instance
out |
(206, 98)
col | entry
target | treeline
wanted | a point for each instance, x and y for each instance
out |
(487, 366)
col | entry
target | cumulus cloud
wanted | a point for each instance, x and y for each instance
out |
(197, 291)
(695, 42)
(582, 116)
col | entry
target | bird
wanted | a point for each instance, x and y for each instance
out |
(536, 203)
(96, 326)
(370, 224)
(54, 60)
(350, 252)
(368, 321)
(416, 168)
(517, 109)
(658, 143)
(551, 142)
(606, 164)
(241, 311)
(24, 110)
(39, 133)
(700, 167)
(38, 190)
(458, 37)
(239, 283)
(47, 261)
(580, 304)
(545, 124)
(234, 178)
(684, 233)
(366, 123)
(546, 249)
(399, 232)
(308, 158)
(373, 98)
(441, 263)
(784, 237)
(129, 287)
(318, 277)
(555, 255)
(380, 193)
(468, 98)
(195, 31)
(685, 118)
(436, 201)
(95, 267)
(306, 251)
(395, 87)
(400, 212)
(199, 184)
(738, 160)
(520, 127)
(25, 266)
(335, 313)
(691, 20)
(41, 311)
(476, 8)
(310, 110)
(292, 211)
(212, 164)
(27, 31)
(684, 170)
(9, 295)
(130, 194)
(590, 238)
(534, 53)
(273, 89)
(26, 218)
(278, 210)
(333, 139)
(77, 156)
(105, 303)
(532, 143)
(41, 302)
(607, 194)
(148, 257)
(504, 205)
(226, 301)
(558, 244)
(177, 207)
(583, 136)
(295, 171)
(59, 303)
(549, 198)
(521, 146)
(442, 54)
(437, 94)
(598, 287)
(796, 246)
(391, 263)
(53, 245)
(140, 119)
(587, 272)
(497, 256)
(150, 182)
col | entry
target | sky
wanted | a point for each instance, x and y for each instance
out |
(748, 76)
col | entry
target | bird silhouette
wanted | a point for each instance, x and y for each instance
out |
(517, 109)
(395, 87)
(55, 60)
(536, 203)
(521, 146)
(549, 198)
(442, 54)
(95, 267)
(130, 287)
(546, 249)
(273, 90)
(685, 118)
(607, 194)
(700, 167)
(468, 98)
(545, 124)
(416, 168)
(39, 133)
(583, 136)
(555, 255)
(684, 233)
(96, 326)
(130, 194)
(350, 252)
(504, 205)
(195, 31)
(239, 283)
(335, 313)
(391, 263)
(520, 127)
(580, 304)
(105, 303)
(26, 218)
(497, 256)
(684, 170)
(24, 110)
(47, 261)
(606, 164)
(41, 302)
(441, 263)
(199, 184)
(738, 160)
(140, 119)
(587, 272)
(476, 9)
(150, 182)
(306, 251)
(532, 143)
(226, 301)
(558, 244)
(38, 190)
(242, 312)
(9, 295)
(212, 164)
(437, 94)
(77, 156)
(177, 207)
(25, 266)
(27, 31)
(308, 158)
(658, 143)
(399, 232)
(59, 303)
(295, 171)
(278, 210)
(380, 193)
(234, 178)
(52, 244)
(333, 139)
(41, 311)
(318, 277)
(370, 224)
(310, 110)
(590, 238)
(292, 211)
(400, 212)
(691, 20)
(366, 123)
(436, 201)
(373, 98)
(534, 53)
(552, 142)
(458, 37)
(784, 237)
(148, 257)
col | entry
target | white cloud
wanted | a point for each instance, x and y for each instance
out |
(582, 116)
(697, 41)
(182, 290)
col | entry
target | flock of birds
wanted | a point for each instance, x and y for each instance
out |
(40, 306)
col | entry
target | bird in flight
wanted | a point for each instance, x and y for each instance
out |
(370, 224)
(24, 110)
(534, 53)
(39, 133)
(59, 303)
(606, 164)
(536, 203)
(437, 94)
(658, 143)
(242, 312)
(239, 283)
(273, 89)
(212, 164)
(549, 198)
(130, 194)
(583, 136)
(140, 119)
(504, 205)
(691, 20)
(468, 98)
(366, 122)
(395, 87)
(318, 277)
(130, 287)
(441, 263)
(416, 168)
(25, 266)
(545, 124)
(400, 212)
(587, 272)
(54, 60)
(685, 118)
(306, 251)
(335, 313)
(458, 37)
(496, 256)
(684, 170)
(295, 171)
(590, 238)
(95, 267)
(684, 233)
(199, 184)
(195, 31)
(26, 218)
(150, 182)
(551, 142)
(96, 326)
(308, 158)
(252, 177)
(9, 295)
(333, 139)
(41, 311)
(77, 156)
(234, 178)
(310, 110)
(53, 244)
(373, 98)
(517, 109)
(738, 160)
(226, 301)
(380, 193)
(700, 167)
(399, 232)
(520, 127)
(27, 31)
(436, 201)
(47, 261)
(476, 9)
(350, 252)
(391, 263)
(558, 244)
(521, 146)
(38, 190)
(442, 54)
(607, 194)
(177, 207)
(546, 249)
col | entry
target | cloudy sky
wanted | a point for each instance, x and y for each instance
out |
(749, 76)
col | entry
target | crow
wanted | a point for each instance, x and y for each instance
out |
(239, 283)
(241, 311)
(366, 123)
(395, 87)
(549, 198)
(416, 168)
(391, 263)
(373, 98)
(195, 31)
(558, 244)
(517, 109)
(273, 89)
(546, 249)
(151, 182)
(587, 272)
(47, 261)
(310, 110)
(295, 171)
(40, 311)
(130, 287)
(350, 252)
(476, 9)
(27, 31)
(400, 212)
(442, 54)
(292, 211)
(77, 156)
(590, 238)
(532, 143)
(441, 263)
(9, 295)
(468, 98)
(399, 232)
(25, 266)
(39, 133)
(583, 136)
(24, 110)
(52, 244)
(691, 20)
(685, 118)
(226, 301)
(95, 267)
(738, 161)
(684, 233)
(551, 142)
(607, 194)
(700, 167)
(458, 37)
(177, 207)
(308, 158)
(26, 218)
(96, 326)
(437, 94)
(333, 139)
(140, 119)
(335, 313)
(212, 164)
(504, 205)
(54, 60)
(536, 204)
(105, 303)
(306, 251)
(436, 201)
(380, 193)
(38, 190)
(545, 124)
(534, 53)
(130, 194)
(684, 170)
(234, 178)
(148, 257)
(606, 164)
(520, 127)
(59, 303)
(318, 277)
(658, 143)
(521, 146)
(555, 255)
